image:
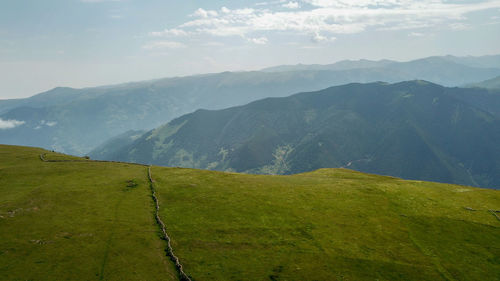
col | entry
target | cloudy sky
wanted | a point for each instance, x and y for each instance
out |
(80, 43)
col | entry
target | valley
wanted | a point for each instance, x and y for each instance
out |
(77, 121)
(413, 130)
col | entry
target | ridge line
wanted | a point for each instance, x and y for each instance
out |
(42, 157)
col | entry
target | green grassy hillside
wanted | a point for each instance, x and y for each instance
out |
(331, 224)
(76, 220)
(95, 221)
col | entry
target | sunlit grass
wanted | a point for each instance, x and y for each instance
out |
(332, 224)
(76, 220)
(94, 221)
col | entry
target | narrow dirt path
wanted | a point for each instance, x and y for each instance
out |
(168, 250)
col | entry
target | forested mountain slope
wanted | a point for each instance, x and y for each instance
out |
(413, 130)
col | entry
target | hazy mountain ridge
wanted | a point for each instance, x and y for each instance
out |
(116, 143)
(56, 96)
(489, 61)
(493, 83)
(413, 130)
(341, 65)
(82, 119)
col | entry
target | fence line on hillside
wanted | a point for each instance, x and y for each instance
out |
(168, 250)
(42, 157)
(493, 212)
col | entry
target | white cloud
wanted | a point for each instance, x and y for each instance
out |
(318, 38)
(163, 45)
(46, 123)
(98, 1)
(416, 34)
(277, 2)
(169, 32)
(291, 5)
(349, 4)
(259, 41)
(459, 26)
(10, 124)
(325, 18)
(316, 47)
(213, 44)
(202, 13)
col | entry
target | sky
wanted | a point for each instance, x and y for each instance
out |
(84, 43)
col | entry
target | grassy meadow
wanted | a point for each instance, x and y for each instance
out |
(331, 224)
(76, 220)
(95, 221)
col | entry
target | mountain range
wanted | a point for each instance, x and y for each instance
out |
(493, 83)
(413, 130)
(419, 65)
(76, 121)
